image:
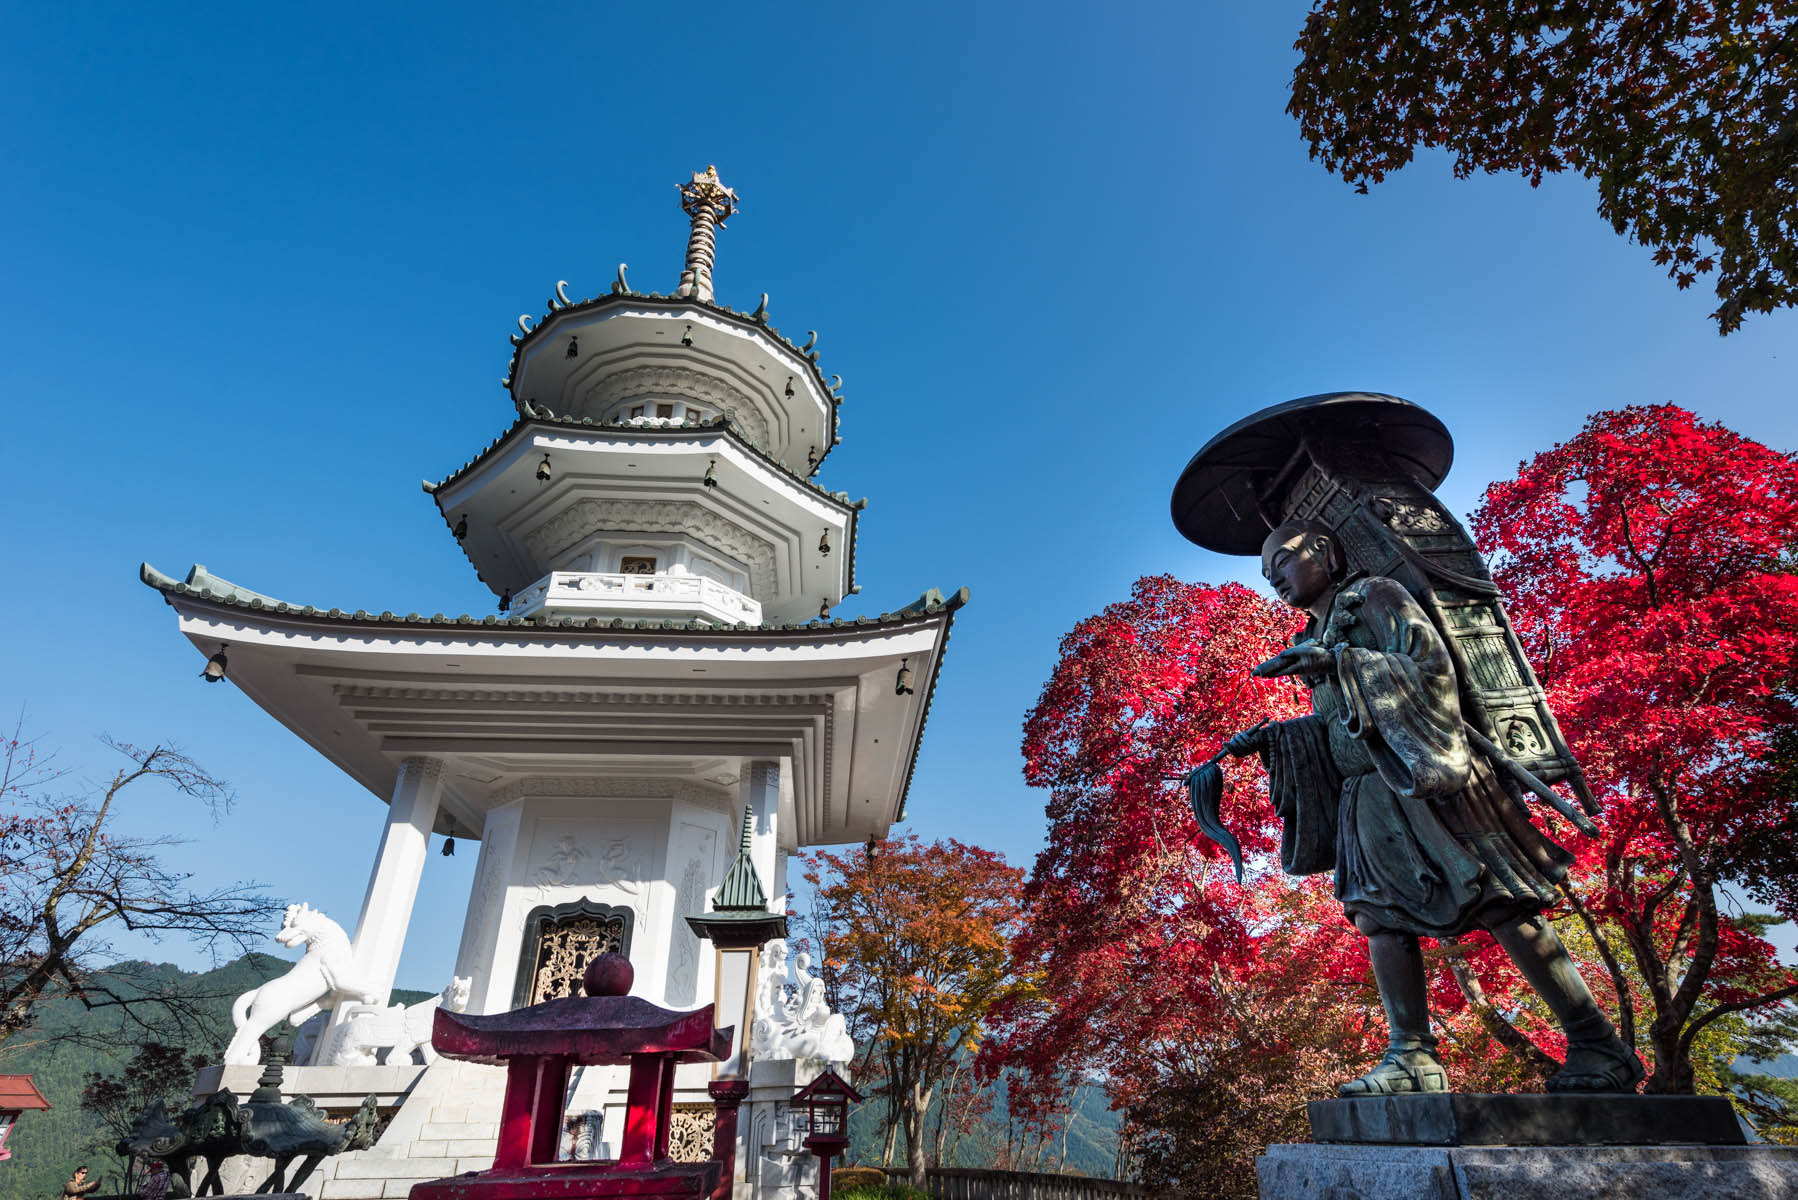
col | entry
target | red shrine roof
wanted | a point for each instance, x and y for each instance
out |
(828, 1085)
(589, 1029)
(18, 1092)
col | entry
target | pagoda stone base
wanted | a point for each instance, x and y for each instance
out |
(1341, 1172)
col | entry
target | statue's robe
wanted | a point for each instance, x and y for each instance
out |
(1381, 784)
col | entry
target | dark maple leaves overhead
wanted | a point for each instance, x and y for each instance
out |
(1681, 111)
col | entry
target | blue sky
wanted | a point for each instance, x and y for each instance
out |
(260, 269)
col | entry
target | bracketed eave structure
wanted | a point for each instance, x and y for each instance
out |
(501, 698)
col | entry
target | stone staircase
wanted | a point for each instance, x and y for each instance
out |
(447, 1125)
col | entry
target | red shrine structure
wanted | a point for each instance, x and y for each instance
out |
(18, 1094)
(826, 1100)
(542, 1043)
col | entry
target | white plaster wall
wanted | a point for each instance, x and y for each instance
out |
(702, 846)
(657, 856)
(573, 853)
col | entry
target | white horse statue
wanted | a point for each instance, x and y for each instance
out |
(326, 972)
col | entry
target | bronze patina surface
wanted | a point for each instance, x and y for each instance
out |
(1428, 730)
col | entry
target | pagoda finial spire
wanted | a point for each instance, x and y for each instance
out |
(709, 203)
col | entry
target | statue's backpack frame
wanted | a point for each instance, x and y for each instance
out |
(1390, 524)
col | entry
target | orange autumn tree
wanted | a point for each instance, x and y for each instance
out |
(916, 945)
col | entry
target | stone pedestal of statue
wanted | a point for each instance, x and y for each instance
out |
(1458, 1146)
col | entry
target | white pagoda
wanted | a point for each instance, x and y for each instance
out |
(661, 686)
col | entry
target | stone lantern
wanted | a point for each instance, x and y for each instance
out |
(826, 1100)
(738, 926)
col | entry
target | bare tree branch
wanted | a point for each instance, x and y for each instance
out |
(68, 879)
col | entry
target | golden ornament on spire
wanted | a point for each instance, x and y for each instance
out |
(706, 190)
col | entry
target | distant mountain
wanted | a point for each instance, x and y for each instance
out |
(1783, 1067)
(1092, 1136)
(48, 1146)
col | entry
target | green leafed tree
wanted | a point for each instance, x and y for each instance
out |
(1683, 112)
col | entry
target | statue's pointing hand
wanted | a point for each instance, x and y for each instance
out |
(1306, 658)
(1249, 741)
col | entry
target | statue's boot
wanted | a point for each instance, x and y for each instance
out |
(1405, 1069)
(1597, 1059)
(1410, 1064)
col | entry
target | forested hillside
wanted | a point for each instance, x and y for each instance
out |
(48, 1146)
(1087, 1144)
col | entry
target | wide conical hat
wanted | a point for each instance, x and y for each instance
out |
(1216, 500)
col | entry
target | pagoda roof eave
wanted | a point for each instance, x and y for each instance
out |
(620, 296)
(211, 607)
(851, 509)
(201, 585)
(738, 930)
(542, 416)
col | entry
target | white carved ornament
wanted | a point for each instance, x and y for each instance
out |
(683, 974)
(610, 786)
(568, 863)
(792, 1018)
(371, 1034)
(476, 950)
(592, 515)
(708, 390)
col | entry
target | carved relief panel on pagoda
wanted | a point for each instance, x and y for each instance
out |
(578, 866)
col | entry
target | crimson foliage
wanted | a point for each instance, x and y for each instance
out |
(1212, 1011)
(1644, 565)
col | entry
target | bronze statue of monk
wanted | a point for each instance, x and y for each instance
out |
(1381, 783)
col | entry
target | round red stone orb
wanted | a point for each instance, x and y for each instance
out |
(609, 975)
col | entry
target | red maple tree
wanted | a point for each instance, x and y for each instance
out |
(1212, 1010)
(1645, 566)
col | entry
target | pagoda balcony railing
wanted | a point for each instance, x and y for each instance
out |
(608, 594)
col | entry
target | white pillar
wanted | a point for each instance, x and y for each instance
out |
(481, 957)
(393, 884)
(761, 792)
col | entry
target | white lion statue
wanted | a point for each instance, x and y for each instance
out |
(360, 1038)
(324, 973)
